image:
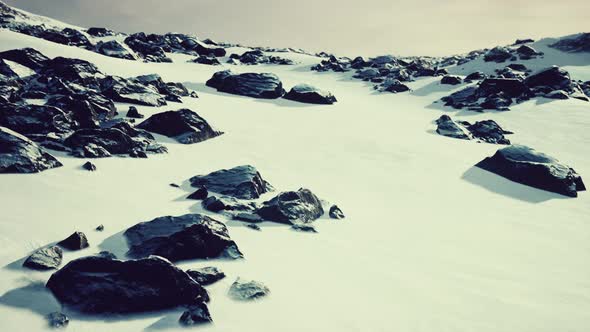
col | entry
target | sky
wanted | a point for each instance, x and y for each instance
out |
(368, 27)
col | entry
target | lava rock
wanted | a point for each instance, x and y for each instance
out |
(89, 166)
(336, 213)
(526, 166)
(254, 227)
(306, 93)
(291, 207)
(191, 236)
(206, 275)
(45, 259)
(243, 182)
(509, 86)
(57, 320)
(264, 85)
(134, 113)
(246, 290)
(27, 57)
(195, 315)
(19, 154)
(199, 194)
(76, 241)
(98, 285)
(451, 80)
(184, 125)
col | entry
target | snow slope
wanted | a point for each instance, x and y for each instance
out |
(430, 243)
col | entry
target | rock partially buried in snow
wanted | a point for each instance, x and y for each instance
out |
(577, 44)
(184, 125)
(19, 154)
(195, 315)
(134, 113)
(199, 194)
(45, 259)
(27, 57)
(450, 128)
(98, 285)
(243, 182)
(336, 213)
(115, 49)
(451, 80)
(57, 320)
(247, 290)
(263, 85)
(525, 165)
(487, 131)
(306, 93)
(206, 275)
(191, 236)
(76, 241)
(89, 166)
(291, 207)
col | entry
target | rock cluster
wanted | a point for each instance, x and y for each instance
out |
(263, 85)
(256, 57)
(487, 131)
(576, 44)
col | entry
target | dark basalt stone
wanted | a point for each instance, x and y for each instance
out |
(76, 241)
(184, 125)
(89, 166)
(577, 44)
(448, 127)
(254, 227)
(35, 119)
(114, 141)
(306, 93)
(395, 86)
(256, 57)
(147, 47)
(451, 80)
(27, 57)
(552, 77)
(199, 194)
(99, 285)
(206, 275)
(336, 213)
(264, 85)
(209, 50)
(475, 76)
(243, 182)
(131, 91)
(74, 71)
(191, 236)
(247, 290)
(91, 150)
(497, 54)
(57, 320)
(19, 154)
(134, 113)
(509, 86)
(291, 207)
(100, 32)
(45, 259)
(525, 165)
(195, 315)
(206, 60)
(489, 131)
(226, 203)
(115, 49)
(303, 228)
(66, 36)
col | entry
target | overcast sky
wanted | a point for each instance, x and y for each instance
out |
(350, 27)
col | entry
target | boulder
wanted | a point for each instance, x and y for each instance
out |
(497, 54)
(29, 119)
(184, 125)
(206, 60)
(243, 182)
(209, 50)
(247, 290)
(100, 285)
(199, 194)
(489, 131)
(576, 44)
(336, 213)
(306, 93)
(532, 168)
(100, 32)
(76, 71)
(511, 87)
(44, 259)
(27, 57)
(206, 275)
(291, 207)
(557, 94)
(130, 91)
(19, 154)
(134, 113)
(554, 78)
(451, 80)
(195, 315)
(57, 320)
(475, 76)
(89, 166)
(113, 140)
(264, 85)
(115, 49)
(450, 128)
(191, 236)
(76, 241)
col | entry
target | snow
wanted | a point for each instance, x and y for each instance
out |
(429, 242)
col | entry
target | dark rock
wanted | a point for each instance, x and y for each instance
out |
(451, 80)
(461, 98)
(107, 255)
(206, 60)
(129, 91)
(523, 41)
(497, 54)
(67, 36)
(114, 141)
(100, 228)
(475, 76)
(489, 131)
(30, 119)
(525, 165)
(89, 166)
(74, 71)
(174, 185)
(6, 71)
(306, 93)
(254, 227)
(395, 87)
(134, 113)
(76, 241)
(557, 94)
(19, 154)
(98, 285)
(103, 107)
(517, 67)
(148, 49)
(243, 290)
(336, 213)
(248, 217)
(510, 87)
(579, 43)
(191, 236)
(303, 228)
(227, 203)
(552, 77)
(241, 182)
(99, 32)
(195, 315)
(206, 275)
(27, 57)
(44, 259)
(256, 57)
(115, 49)
(264, 85)
(496, 102)
(199, 194)
(448, 127)
(184, 125)
(292, 207)
(58, 320)
(136, 153)
(209, 50)
(92, 150)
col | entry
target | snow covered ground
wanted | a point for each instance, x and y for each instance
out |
(430, 243)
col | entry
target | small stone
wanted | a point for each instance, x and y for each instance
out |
(195, 315)
(206, 275)
(174, 185)
(303, 228)
(134, 113)
(247, 290)
(100, 228)
(336, 213)
(89, 166)
(76, 241)
(58, 320)
(254, 227)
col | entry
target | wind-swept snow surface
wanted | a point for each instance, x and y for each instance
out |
(429, 242)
